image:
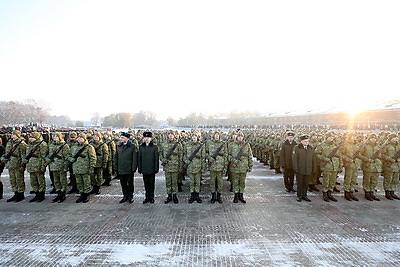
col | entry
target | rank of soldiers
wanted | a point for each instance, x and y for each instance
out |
(93, 158)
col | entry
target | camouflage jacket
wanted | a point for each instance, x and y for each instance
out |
(175, 162)
(14, 162)
(197, 164)
(102, 153)
(329, 164)
(36, 162)
(390, 164)
(86, 162)
(60, 160)
(220, 162)
(241, 164)
(369, 163)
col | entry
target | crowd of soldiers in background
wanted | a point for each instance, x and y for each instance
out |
(373, 154)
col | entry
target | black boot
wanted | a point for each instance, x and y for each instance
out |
(53, 191)
(325, 196)
(95, 190)
(219, 198)
(86, 198)
(353, 197)
(198, 199)
(241, 198)
(388, 195)
(368, 196)
(313, 188)
(331, 197)
(20, 197)
(35, 198)
(107, 182)
(374, 197)
(347, 196)
(236, 198)
(57, 198)
(394, 196)
(80, 199)
(213, 199)
(13, 198)
(169, 199)
(191, 199)
(124, 199)
(41, 197)
(336, 190)
(175, 199)
(62, 197)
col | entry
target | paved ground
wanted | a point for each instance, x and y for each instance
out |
(271, 229)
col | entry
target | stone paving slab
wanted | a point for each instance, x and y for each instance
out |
(272, 228)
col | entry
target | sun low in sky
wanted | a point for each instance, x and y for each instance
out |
(177, 57)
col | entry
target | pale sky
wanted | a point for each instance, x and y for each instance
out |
(176, 57)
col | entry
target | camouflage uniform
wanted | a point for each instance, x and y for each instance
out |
(348, 151)
(330, 167)
(171, 165)
(240, 159)
(13, 164)
(102, 157)
(391, 166)
(35, 165)
(108, 171)
(217, 164)
(195, 166)
(83, 166)
(59, 152)
(371, 166)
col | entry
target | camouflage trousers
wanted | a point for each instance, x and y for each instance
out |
(350, 178)
(390, 181)
(38, 182)
(17, 180)
(83, 183)
(328, 180)
(97, 177)
(195, 180)
(216, 181)
(171, 182)
(60, 180)
(238, 182)
(370, 181)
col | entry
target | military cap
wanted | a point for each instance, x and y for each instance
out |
(35, 135)
(17, 133)
(290, 133)
(147, 134)
(239, 133)
(371, 135)
(304, 137)
(98, 134)
(330, 134)
(391, 136)
(60, 135)
(125, 134)
(73, 135)
(82, 135)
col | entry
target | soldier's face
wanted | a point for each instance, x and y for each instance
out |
(55, 138)
(194, 138)
(290, 138)
(13, 136)
(124, 139)
(96, 138)
(216, 136)
(305, 142)
(80, 140)
(171, 136)
(147, 140)
(240, 138)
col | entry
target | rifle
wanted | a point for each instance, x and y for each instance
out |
(171, 151)
(31, 154)
(216, 153)
(55, 154)
(194, 155)
(397, 155)
(357, 153)
(333, 153)
(78, 154)
(11, 152)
